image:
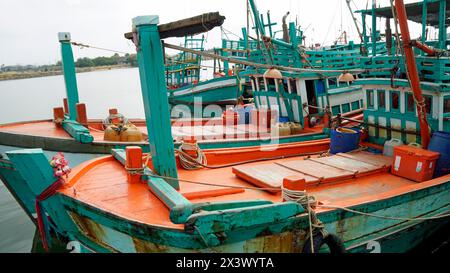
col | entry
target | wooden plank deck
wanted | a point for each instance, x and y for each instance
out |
(315, 170)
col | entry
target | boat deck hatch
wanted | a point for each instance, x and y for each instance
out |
(315, 170)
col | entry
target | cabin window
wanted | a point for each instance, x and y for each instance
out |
(320, 87)
(261, 84)
(355, 105)
(332, 82)
(410, 105)
(381, 99)
(284, 86)
(395, 101)
(428, 103)
(370, 98)
(336, 110)
(447, 105)
(271, 84)
(346, 107)
(293, 84)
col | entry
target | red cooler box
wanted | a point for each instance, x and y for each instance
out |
(414, 163)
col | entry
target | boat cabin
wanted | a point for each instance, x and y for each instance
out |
(388, 97)
(295, 96)
(184, 68)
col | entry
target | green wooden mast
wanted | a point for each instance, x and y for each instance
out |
(70, 78)
(71, 126)
(154, 93)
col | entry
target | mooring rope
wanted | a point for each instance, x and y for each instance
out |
(188, 162)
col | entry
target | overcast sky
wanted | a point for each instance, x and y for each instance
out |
(28, 28)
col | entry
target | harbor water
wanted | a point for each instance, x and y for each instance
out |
(31, 99)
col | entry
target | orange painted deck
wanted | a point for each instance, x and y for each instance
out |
(102, 183)
(202, 131)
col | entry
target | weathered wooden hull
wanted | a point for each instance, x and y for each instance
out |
(97, 230)
(65, 144)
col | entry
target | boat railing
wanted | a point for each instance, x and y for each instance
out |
(239, 45)
(337, 59)
(431, 69)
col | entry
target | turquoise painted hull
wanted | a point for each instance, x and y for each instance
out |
(216, 91)
(96, 230)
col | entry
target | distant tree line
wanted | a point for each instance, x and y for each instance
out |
(116, 59)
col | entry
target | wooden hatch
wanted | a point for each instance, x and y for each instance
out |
(315, 170)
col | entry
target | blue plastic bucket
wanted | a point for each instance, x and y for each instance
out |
(343, 140)
(440, 142)
(283, 119)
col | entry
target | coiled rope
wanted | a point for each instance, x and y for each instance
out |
(188, 162)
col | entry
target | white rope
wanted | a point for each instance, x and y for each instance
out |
(305, 200)
(385, 217)
(191, 163)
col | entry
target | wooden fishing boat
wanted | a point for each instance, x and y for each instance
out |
(183, 73)
(358, 201)
(303, 97)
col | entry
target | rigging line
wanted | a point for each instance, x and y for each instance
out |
(81, 45)
(268, 66)
(329, 26)
(230, 32)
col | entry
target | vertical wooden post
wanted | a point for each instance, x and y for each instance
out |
(364, 33)
(154, 94)
(81, 114)
(245, 35)
(226, 65)
(294, 183)
(66, 106)
(58, 115)
(442, 26)
(294, 41)
(424, 21)
(70, 79)
(374, 28)
(133, 163)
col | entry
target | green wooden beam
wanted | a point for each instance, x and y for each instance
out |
(374, 29)
(424, 21)
(154, 93)
(259, 25)
(70, 79)
(34, 167)
(364, 33)
(77, 131)
(442, 26)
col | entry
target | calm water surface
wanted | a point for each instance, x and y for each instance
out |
(32, 99)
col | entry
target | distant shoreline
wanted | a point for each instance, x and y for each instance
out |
(15, 75)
